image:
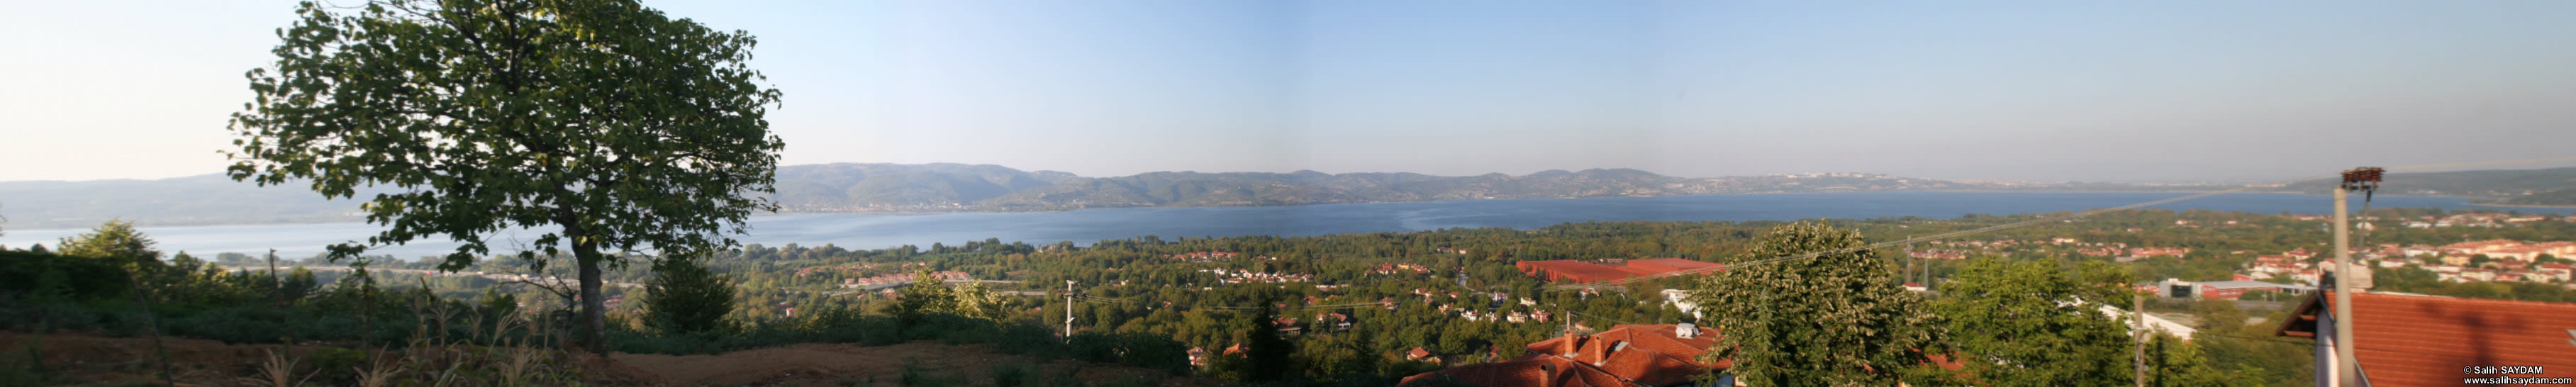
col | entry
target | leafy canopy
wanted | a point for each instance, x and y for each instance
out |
(1837, 319)
(614, 124)
(117, 240)
(2031, 324)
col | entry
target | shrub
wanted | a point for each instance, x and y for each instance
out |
(334, 364)
(1011, 374)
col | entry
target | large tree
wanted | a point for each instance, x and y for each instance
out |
(2032, 324)
(606, 124)
(1838, 318)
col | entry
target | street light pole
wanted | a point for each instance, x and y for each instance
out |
(2347, 368)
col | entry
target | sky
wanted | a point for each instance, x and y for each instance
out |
(2093, 91)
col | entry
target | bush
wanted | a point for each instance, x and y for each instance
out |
(1012, 374)
(334, 364)
(26, 275)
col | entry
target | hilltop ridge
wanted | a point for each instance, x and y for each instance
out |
(949, 187)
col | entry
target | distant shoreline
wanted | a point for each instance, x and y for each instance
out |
(2475, 201)
(2498, 204)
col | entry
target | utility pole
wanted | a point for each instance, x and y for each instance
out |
(2347, 369)
(2138, 333)
(1068, 310)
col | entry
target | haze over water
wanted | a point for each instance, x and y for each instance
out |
(871, 231)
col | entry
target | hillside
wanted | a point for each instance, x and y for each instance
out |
(2562, 197)
(2513, 186)
(213, 199)
(952, 187)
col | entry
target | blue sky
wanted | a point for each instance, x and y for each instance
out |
(2140, 91)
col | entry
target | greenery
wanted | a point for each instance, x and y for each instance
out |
(2560, 197)
(684, 297)
(622, 126)
(2499, 183)
(2036, 324)
(1836, 319)
(1139, 304)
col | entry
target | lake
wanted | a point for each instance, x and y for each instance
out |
(869, 231)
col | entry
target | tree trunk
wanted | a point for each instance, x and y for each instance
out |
(593, 308)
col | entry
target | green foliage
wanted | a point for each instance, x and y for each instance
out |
(924, 296)
(1013, 374)
(2033, 324)
(117, 240)
(975, 300)
(2559, 197)
(2177, 363)
(1817, 321)
(518, 113)
(1266, 355)
(334, 364)
(687, 298)
(34, 274)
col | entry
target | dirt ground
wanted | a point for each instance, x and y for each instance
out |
(83, 359)
(843, 364)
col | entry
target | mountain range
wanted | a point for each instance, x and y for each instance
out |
(944, 187)
(961, 187)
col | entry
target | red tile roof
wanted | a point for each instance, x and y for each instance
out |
(1532, 372)
(2414, 340)
(1653, 354)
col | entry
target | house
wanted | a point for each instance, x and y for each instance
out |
(1625, 355)
(2230, 290)
(2419, 340)
(1544, 371)
(1420, 355)
(1680, 300)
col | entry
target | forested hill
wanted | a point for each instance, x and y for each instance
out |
(951, 187)
(2513, 186)
(214, 199)
(2562, 197)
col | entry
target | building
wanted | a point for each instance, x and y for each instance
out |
(1625, 355)
(2230, 290)
(1421, 355)
(2419, 340)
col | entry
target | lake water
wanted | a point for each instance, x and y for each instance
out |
(868, 231)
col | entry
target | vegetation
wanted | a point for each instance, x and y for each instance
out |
(1121, 313)
(684, 297)
(2502, 183)
(496, 114)
(1836, 319)
(2036, 324)
(2560, 197)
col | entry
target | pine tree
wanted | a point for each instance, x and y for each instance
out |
(1835, 319)
(685, 297)
(1266, 354)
